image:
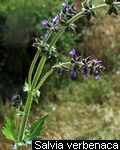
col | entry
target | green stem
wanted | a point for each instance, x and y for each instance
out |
(35, 59)
(80, 14)
(47, 37)
(49, 34)
(38, 72)
(104, 5)
(48, 74)
(25, 118)
(116, 3)
(56, 37)
(43, 79)
(73, 19)
(17, 120)
(32, 67)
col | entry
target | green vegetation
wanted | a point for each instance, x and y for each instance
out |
(20, 24)
(80, 108)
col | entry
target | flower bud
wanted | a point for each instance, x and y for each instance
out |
(88, 17)
(115, 10)
(108, 1)
(85, 5)
(16, 101)
(72, 60)
(110, 10)
(59, 71)
(62, 22)
(94, 14)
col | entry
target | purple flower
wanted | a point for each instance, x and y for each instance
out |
(97, 77)
(73, 73)
(72, 52)
(85, 74)
(45, 23)
(65, 5)
(97, 61)
(46, 33)
(57, 17)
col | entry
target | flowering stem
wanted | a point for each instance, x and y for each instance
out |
(25, 117)
(80, 14)
(73, 19)
(104, 5)
(47, 36)
(38, 72)
(43, 79)
(30, 98)
(35, 59)
(32, 67)
(56, 37)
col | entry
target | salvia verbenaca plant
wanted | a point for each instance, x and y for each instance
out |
(23, 134)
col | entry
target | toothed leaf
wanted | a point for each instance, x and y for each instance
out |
(9, 130)
(33, 131)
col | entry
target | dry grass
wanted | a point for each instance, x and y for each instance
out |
(76, 120)
(102, 38)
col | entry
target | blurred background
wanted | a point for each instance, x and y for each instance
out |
(80, 108)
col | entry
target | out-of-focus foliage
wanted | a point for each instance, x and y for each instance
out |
(101, 40)
(20, 24)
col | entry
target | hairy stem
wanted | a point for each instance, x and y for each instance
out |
(80, 14)
(43, 79)
(38, 72)
(32, 67)
(25, 118)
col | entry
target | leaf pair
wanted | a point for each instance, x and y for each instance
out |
(87, 6)
(35, 93)
(112, 9)
(32, 132)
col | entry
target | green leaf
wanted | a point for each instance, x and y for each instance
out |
(9, 130)
(33, 131)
